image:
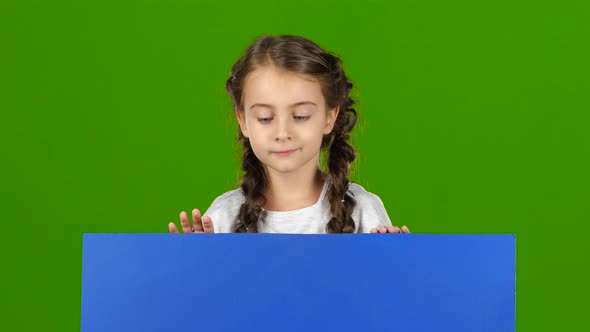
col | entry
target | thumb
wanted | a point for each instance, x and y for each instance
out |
(208, 224)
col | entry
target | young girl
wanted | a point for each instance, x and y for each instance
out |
(291, 100)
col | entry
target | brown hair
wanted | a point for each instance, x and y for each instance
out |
(300, 55)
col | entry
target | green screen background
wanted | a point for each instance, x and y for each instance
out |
(472, 119)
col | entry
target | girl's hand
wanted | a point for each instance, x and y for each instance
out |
(391, 229)
(200, 225)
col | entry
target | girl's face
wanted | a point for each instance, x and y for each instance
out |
(284, 111)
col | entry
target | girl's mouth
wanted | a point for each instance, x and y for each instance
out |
(284, 153)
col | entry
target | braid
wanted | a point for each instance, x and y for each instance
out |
(253, 185)
(341, 155)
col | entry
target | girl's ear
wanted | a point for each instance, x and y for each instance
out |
(331, 119)
(241, 121)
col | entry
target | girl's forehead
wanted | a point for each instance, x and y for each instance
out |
(272, 86)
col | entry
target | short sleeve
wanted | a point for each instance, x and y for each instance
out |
(223, 211)
(371, 213)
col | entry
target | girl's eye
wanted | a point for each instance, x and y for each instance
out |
(299, 118)
(302, 118)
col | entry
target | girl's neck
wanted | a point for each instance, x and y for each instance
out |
(287, 196)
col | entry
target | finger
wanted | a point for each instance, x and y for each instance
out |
(208, 224)
(197, 222)
(391, 229)
(186, 226)
(405, 229)
(396, 229)
(172, 228)
(374, 230)
(382, 229)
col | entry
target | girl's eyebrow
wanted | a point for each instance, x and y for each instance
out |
(292, 106)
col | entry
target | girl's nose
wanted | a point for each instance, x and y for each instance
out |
(283, 130)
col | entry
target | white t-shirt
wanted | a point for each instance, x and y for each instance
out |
(368, 213)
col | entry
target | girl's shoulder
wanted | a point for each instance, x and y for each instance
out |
(229, 198)
(361, 195)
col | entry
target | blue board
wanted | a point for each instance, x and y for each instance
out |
(283, 282)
